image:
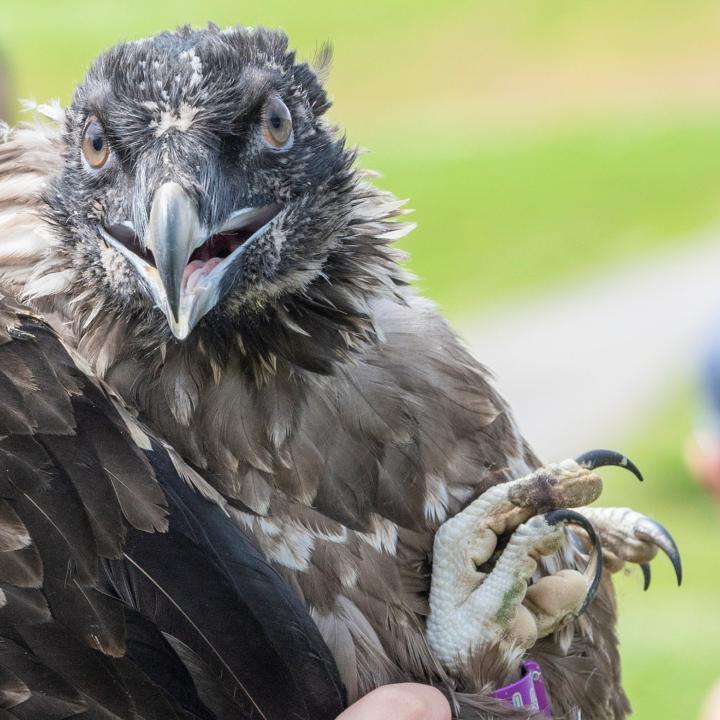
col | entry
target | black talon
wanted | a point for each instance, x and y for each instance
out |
(603, 458)
(652, 531)
(645, 567)
(595, 564)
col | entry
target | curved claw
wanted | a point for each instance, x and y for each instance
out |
(645, 567)
(652, 531)
(595, 564)
(603, 458)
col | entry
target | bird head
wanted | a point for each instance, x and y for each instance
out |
(200, 186)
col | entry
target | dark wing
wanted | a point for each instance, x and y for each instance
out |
(124, 593)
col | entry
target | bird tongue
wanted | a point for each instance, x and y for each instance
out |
(196, 270)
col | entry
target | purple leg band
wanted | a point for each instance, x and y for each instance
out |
(527, 692)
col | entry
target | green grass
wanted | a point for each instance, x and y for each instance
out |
(408, 48)
(670, 637)
(508, 214)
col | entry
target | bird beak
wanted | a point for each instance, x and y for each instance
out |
(186, 290)
(173, 233)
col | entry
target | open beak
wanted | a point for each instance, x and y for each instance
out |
(173, 233)
(181, 264)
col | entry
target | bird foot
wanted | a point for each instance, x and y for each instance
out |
(629, 536)
(473, 602)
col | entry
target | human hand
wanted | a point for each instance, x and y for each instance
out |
(702, 456)
(404, 701)
(711, 708)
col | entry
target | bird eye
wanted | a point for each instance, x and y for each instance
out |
(95, 148)
(276, 124)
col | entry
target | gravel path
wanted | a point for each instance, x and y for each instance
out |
(584, 365)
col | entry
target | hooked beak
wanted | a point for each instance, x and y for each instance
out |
(173, 233)
(181, 264)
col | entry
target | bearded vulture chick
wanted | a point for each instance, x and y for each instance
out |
(202, 236)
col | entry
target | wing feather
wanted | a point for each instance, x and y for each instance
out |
(126, 591)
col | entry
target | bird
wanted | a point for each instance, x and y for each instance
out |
(125, 589)
(200, 233)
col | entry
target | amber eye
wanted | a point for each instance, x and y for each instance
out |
(276, 124)
(95, 148)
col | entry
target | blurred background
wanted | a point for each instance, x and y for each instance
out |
(563, 161)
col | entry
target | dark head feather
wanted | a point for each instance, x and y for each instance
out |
(186, 108)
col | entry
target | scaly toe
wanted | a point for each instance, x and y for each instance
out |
(629, 536)
(555, 599)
